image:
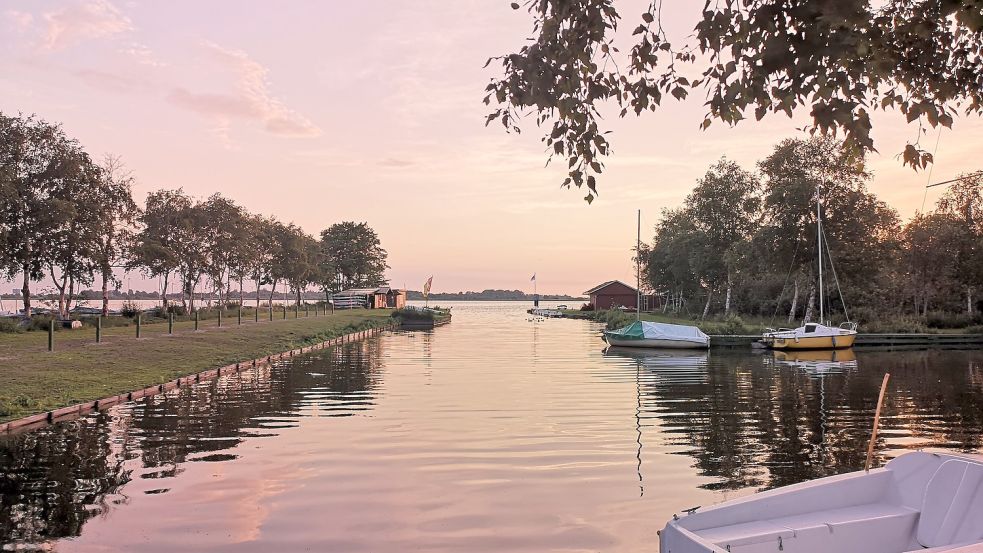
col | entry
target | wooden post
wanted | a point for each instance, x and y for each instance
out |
(138, 325)
(297, 311)
(170, 323)
(307, 309)
(196, 319)
(877, 420)
(219, 316)
(98, 329)
(284, 311)
(51, 335)
(256, 314)
(240, 313)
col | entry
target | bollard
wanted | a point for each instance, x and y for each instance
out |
(196, 319)
(240, 313)
(98, 329)
(51, 335)
(138, 325)
(170, 323)
(219, 316)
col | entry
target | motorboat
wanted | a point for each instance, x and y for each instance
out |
(644, 334)
(812, 336)
(919, 502)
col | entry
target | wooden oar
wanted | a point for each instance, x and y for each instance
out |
(877, 420)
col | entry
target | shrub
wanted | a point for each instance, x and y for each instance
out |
(10, 325)
(129, 309)
(587, 307)
(616, 318)
(40, 322)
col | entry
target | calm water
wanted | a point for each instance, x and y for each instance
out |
(495, 433)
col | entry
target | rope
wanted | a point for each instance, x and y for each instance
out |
(835, 279)
(930, 167)
(791, 265)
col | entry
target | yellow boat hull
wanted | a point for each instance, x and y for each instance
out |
(812, 342)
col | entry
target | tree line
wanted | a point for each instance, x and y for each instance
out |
(70, 218)
(745, 242)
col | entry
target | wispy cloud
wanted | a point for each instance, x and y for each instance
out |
(143, 55)
(250, 100)
(20, 20)
(84, 20)
(112, 82)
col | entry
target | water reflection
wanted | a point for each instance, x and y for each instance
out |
(495, 433)
(54, 479)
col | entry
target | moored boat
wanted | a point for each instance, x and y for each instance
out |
(643, 334)
(812, 336)
(920, 501)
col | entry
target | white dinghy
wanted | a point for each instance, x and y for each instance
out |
(920, 501)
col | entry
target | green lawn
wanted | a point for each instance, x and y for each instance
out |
(33, 380)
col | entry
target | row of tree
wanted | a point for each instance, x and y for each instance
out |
(746, 241)
(69, 218)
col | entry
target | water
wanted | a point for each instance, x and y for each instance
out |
(495, 433)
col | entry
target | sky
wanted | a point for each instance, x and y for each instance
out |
(320, 112)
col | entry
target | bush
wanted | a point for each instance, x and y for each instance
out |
(40, 322)
(941, 319)
(587, 307)
(10, 325)
(615, 319)
(129, 309)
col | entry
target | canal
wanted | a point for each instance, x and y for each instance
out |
(495, 433)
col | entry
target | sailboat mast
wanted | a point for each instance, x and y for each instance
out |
(638, 269)
(819, 242)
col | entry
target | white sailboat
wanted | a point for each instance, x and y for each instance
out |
(644, 334)
(818, 335)
(919, 502)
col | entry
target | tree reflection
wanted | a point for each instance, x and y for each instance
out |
(766, 421)
(54, 479)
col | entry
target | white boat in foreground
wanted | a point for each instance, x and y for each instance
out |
(920, 501)
(643, 334)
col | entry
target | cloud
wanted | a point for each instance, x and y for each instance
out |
(89, 19)
(143, 55)
(21, 20)
(251, 100)
(112, 82)
(393, 162)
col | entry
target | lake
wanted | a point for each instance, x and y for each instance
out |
(494, 433)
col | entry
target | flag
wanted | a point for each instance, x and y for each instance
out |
(426, 287)
(533, 279)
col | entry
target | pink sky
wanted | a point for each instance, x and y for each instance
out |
(318, 112)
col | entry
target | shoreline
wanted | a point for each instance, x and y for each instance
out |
(31, 422)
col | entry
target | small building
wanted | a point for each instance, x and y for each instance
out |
(370, 298)
(612, 293)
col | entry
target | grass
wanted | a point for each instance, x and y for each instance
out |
(34, 380)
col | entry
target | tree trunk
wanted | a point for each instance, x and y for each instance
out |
(809, 304)
(257, 292)
(298, 296)
(71, 295)
(242, 297)
(165, 302)
(26, 291)
(272, 292)
(727, 298)
(706, 308)
(106, 271)
(795, 301)
(969, 300)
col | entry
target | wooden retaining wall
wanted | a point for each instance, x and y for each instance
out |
(73, 411)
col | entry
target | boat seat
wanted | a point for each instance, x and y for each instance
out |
(952, 507)
(883, 518)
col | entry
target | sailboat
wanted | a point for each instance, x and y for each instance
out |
(819, 335)
(644, 334)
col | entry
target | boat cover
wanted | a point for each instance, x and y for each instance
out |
(663, 331)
